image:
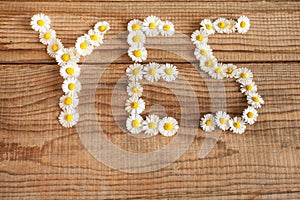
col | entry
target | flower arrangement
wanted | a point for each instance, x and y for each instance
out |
(67, 59)
(217, 70)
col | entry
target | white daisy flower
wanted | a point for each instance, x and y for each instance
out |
(250, 115)
(230, 70)
(222, 120)
(218, 72)
(221, 25)
(47, 35)
(229, 28)
(137, 54)
(168, 72)
(83, 46)
(166, 28)
(199, 37)
(64, 57)
(68, 102)
(168, 126)
(101, 27)
(95, 38)
(248, 86)
(134, 124)
(134, 89)
(243, 24)
(136, 39)
(208, 123)
(71, 86)
(232, 26)
(75, 53)
(152, 72)
(151, 25)
(135, 105)
(134, 25)
(54, 45)
(135, 72)
(150, 125)
(208, 63)
(202, 50)
(207, 26)
(243, 74)
(70, 70)
(68, 118)
(237, 125)
(255, 100)
(40, 22)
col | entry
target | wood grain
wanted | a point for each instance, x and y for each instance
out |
(41, 160)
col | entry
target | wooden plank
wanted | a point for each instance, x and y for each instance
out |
(41, 160)
(261, 43)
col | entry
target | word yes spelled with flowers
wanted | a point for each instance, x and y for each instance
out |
(67, 59)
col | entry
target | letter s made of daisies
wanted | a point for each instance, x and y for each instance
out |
(217, 70)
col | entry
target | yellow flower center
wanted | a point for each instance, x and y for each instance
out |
(168, 126)
(135, 27)
(135, 123)
(136, 38)
(244, 75)
(218, 70)
(83, 45)
(237, 124)
(230, 25)
(134, 105)
(70, 70)
(168, 71)
(55, 47)
(41, 22)
(243, 24)
(135, 90)
(222, 120)
(221, 24)
(135, 71)
(68, 101)
(152, 25)
(208, 63)
(250, 114)
(199, 38)
(68, 117)
(203, 52)
(47, 35)
(208, 26)
(255, 99)
(152, 72)
(102, 28)
(152, 125)
(94, 37)
(249, 87)
(65, 57)
(167, 27)
(137, 53)
(71, 86)
(208, 122)
(229, 71)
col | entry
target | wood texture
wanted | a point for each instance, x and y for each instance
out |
(41, 160)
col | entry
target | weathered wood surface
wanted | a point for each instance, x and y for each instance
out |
(41, 160)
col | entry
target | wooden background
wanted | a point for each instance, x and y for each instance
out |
(41, 160)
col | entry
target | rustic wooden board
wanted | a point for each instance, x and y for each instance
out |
(41, 160)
